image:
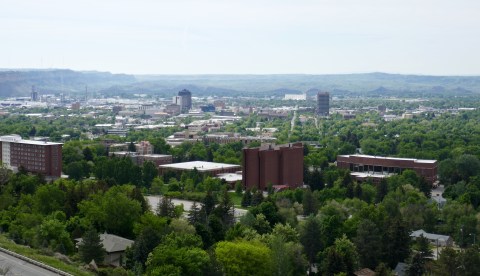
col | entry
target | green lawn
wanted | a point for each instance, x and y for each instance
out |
(36, 255)
(237, 200)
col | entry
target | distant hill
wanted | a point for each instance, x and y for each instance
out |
(19, 82)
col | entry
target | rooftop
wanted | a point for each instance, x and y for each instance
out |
(391, 158)
(14, 138)
(201, 166)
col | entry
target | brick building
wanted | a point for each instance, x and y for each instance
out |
(279, 165)
(377, 167)
(35, 156)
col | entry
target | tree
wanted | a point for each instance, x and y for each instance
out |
(246, 198)
(369, 243)
(149, 172)
(382, 190)
(165, 207)
(87, 154)
(417, 266)
(208, 203)
(181, 251)
(310, 204)
(310, 234)
(91, 247)
(341, 257)
(238, 188)
(448, 262)
(397, 240)
(131, 147)
(244, 258)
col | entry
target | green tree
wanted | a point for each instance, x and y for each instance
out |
(244, 258)
(88, 154)
(310, 204)
(91, 247)
(165, 207)
(180, 251)
(131, 147)
(149, 172)
(310, 234)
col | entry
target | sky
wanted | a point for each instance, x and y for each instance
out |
(428, 37)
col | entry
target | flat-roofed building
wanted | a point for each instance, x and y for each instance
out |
(208, 168)
(34, 156)
(278, 165)
(377, 167)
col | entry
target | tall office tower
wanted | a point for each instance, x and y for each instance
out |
(34, 156)
(278, 165)
(323, 103)
(186, 102)
(34, 96)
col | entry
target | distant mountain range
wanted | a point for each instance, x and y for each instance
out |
(19, 83)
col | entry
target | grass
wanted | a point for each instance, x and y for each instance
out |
(36, 255)
(237, 199)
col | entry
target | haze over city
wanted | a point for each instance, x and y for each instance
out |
(243, 37)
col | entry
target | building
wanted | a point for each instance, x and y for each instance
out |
(186, 100)
(278, 165)
(34, 156)
(295, 97)
(436, 239)
(144, 147)
(34, 96)
(377, 167)
(208, 168)
(323, 103)
(115, 247)
(139, 159)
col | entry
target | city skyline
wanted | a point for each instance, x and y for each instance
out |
(215, 37)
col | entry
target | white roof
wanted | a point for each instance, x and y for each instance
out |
(14, 138)
(391, 158)
(418, 233)
(200, 165)
(230, 177)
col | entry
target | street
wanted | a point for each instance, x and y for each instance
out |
(14, 266)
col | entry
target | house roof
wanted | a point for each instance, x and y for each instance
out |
(418, 233)
(364, 272)
(400, 269)
(112, 243)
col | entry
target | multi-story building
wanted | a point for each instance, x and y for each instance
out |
(34, 156)
(279, 165)
(323, 103)
(144, 147)
(376, 167)
(186, 100)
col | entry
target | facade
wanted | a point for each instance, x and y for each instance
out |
(278, 165)
(139, 159)
(144, 147)
(323, 103)
(377, 167)
(186, 100)
(34, 156)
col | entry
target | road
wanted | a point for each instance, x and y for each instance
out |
(16, 266)
(187, 205)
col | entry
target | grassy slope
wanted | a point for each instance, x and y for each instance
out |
(36, 255)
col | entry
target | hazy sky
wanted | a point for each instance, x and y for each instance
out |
(440, 37)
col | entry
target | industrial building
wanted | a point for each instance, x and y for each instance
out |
(278, 165)
(376, 167)
(34, 156)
